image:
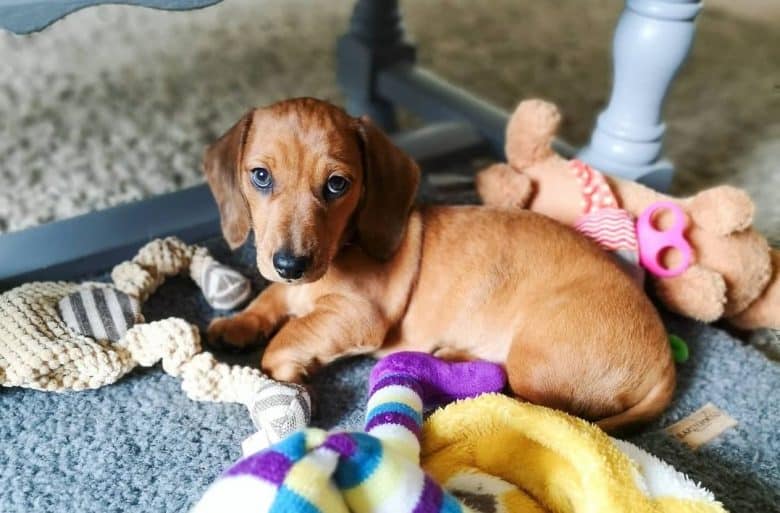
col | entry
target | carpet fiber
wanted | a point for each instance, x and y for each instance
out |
(141, 445)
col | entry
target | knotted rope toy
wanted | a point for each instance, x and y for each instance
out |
(61, 336)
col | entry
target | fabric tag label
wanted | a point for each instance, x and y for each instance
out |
(701, 426)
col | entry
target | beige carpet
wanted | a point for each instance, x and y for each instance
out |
(116, 103)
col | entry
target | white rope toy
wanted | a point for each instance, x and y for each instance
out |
(48, 342)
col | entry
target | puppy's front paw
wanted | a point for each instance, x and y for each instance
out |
(237, 332)
(287, 372)
(282, 366)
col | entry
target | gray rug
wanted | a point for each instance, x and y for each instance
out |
(141, 445)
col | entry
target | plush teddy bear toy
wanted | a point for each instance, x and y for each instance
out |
(732, 272)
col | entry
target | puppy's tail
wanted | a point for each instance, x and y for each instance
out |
(648, 408)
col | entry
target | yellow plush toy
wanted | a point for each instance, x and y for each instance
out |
(500, 455)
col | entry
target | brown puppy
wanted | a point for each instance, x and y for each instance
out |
(329, 199)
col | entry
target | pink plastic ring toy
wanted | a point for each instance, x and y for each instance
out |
(653, 242)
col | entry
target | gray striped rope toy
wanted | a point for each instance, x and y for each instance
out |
(103, 313)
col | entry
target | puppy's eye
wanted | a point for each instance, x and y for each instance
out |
(261, 178)
(336, 186)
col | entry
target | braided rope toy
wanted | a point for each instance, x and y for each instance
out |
(50, 338)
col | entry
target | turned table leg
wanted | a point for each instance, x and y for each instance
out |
(375, 40)
(652, 40)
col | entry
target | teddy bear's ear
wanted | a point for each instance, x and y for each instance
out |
(722, 210)
(530, 132)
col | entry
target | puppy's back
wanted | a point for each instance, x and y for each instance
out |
(575, 331)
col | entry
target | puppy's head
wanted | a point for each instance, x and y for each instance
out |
(306, 178)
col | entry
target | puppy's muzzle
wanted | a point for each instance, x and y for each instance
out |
(289, 266)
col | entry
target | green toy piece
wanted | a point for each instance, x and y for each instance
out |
(680, 351)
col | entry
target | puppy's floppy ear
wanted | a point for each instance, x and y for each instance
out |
(390, 179)
(221, 165)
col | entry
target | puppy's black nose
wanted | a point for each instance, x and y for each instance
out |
(290, 266)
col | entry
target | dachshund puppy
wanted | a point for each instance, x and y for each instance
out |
(358, 270)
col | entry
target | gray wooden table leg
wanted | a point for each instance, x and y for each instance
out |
(652, 40)
(376, 39)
